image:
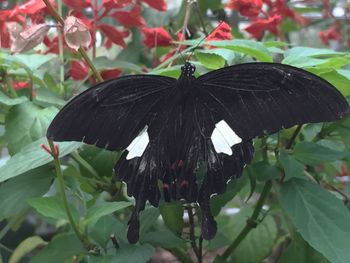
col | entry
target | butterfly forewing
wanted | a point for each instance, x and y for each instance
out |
(262, 98)
(111, 114)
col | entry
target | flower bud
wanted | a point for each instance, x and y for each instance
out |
(76, 33)
(29, 38)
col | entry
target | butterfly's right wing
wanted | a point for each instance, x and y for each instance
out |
(262, 98)
(111, 114)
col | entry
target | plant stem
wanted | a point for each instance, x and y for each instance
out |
(91, 65)
(60, 181)
(192, 236)
(294, 136)
(60, 46)
(251, 222)
(82, 52)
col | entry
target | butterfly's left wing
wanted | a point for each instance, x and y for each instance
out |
(111, 114)
(262, 98)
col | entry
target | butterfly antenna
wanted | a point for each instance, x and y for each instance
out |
(204, 38)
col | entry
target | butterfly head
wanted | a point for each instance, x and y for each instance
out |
(188, 69)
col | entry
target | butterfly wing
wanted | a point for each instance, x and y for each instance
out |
(262, 98)
(111, 114)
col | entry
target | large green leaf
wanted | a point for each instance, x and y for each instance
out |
(103, 209)
(31, 61)
(172, 214)
(9, 101)
(321, 218)
(301, 252)
(257, 244)
(247, 47)
(61, 248)
(26, 123)
(210, 60)
(15, 192)
(32, 156)
(105, 227)
(292, 168)
(52, 207)
(312, 153)
(102, 63)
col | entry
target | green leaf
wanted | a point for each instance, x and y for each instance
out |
(341, 82)
(101, 160)
(210, 60)
(301, 252)
(233, 187)
(105, 227)
(15, 192)
(101, 259)
(264, 171)
(32, 156)
(162, 238)
(61, 247)
(133, 253)
(26, 246)
(292, 168)
(102, 63)
(103, 209)
(257, 244)
(47, 98)
(313, 154)
(31, 61)
(320, 218)
(52, 207)
(26, 123)
(172, 214)
(11, 102)
(148, 218)
(247, 47)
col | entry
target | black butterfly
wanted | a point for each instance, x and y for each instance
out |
(169, 128)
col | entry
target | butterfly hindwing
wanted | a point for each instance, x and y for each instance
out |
(111, 114)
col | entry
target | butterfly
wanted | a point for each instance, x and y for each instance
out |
(170, 128)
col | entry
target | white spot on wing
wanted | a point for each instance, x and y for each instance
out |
(223, 138)
(138, 145)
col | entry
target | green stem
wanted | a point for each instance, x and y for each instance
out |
(294, 136)
(251, 222)
(85, 164)
(61, 187)
(60, 46)
(82, 52)
(91, 65)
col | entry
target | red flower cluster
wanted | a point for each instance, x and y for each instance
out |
(271, 21)
(222, 32)
(332, 33)
(249, 8)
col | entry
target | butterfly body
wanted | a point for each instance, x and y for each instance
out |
(172, 129)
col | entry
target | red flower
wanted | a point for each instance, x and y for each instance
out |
(281, 8)
(156, 37)
(113, 35)
(77, 4)
(159, 5)
(333, 33)
(109, 4)
(32, 7)
(110, 73)
(249, 8)
(78, 70)
(222, 32)
(130, 18)
(270, 24)
(18, 85)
